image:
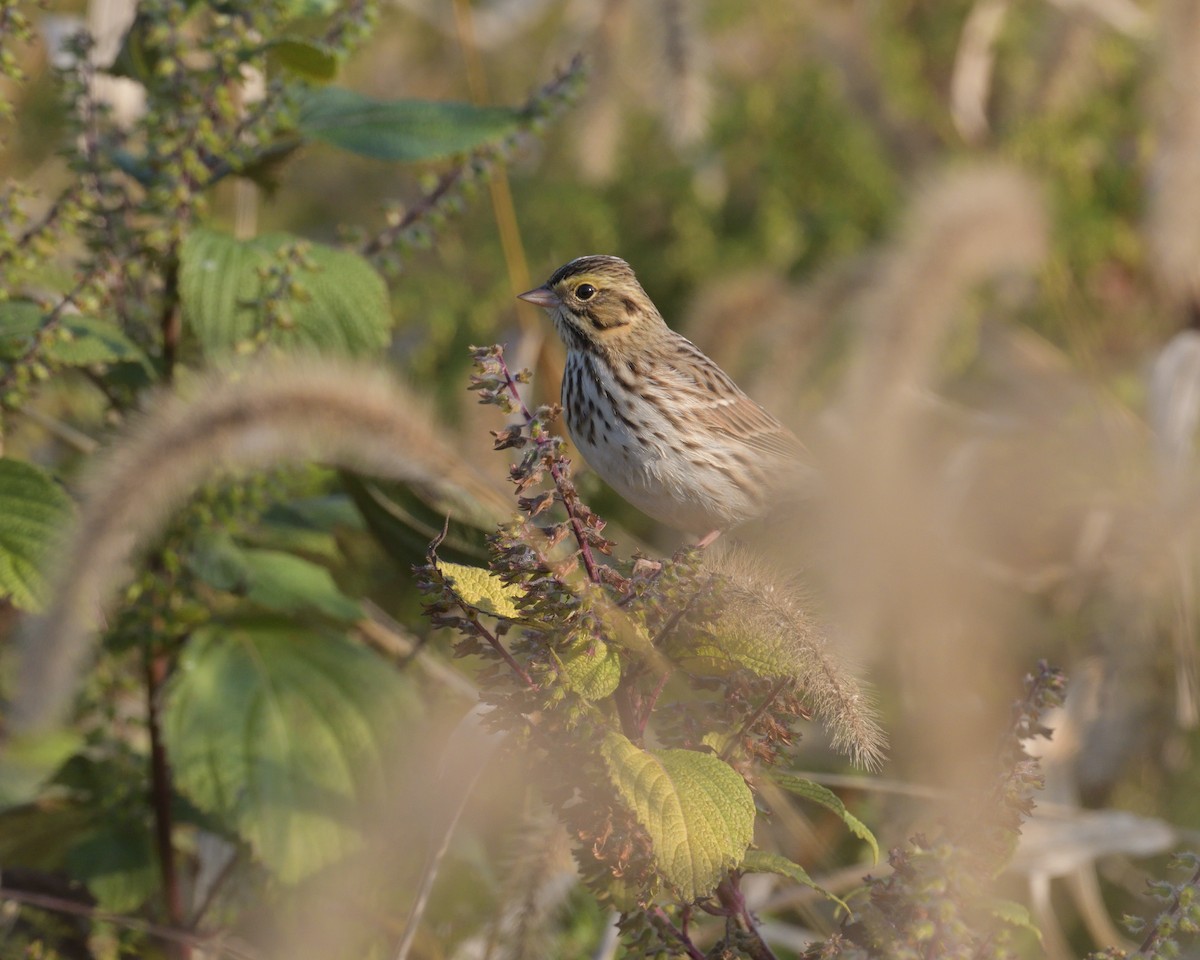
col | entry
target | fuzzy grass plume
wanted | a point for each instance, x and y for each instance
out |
(255, 417)
(1175, 186)
(968, 225)
(764, 619)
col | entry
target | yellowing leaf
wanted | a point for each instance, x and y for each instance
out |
(482, 590)
(593, 672)
(696, 808)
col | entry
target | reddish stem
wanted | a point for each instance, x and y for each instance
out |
(42, 901)
(499, 648)
(756, 715)
(692, 950)
(560, 482)
(648, 708)
(160, 799)
(729, 892)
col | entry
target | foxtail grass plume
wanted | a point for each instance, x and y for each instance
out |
(763, 615)
(1174, 197)
(264, 416)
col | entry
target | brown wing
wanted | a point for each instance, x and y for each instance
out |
(683, 370)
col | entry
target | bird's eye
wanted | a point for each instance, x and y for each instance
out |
(585, 291)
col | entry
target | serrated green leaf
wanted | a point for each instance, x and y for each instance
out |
(809, 790)
(40, 835)
(92, 340)
(306, 526)
(80, 341)
(592, 671)
(734, 645)
(273, 579)
(28, 759)
(696, 808)
(1014, 914)
(311, 8)
(306, 59)
(117, 862)
(346, 311)
(482, 590)
(284, 734)
(758, 861)
(404, 130)
(404, 517)
(290, 584)
(33, 509)
(218, 561)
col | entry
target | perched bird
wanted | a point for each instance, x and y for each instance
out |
(657, 419)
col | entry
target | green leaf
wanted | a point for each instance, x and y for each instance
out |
(593, 671)
(79, 341)
(404, 517)
(346, 311)
(40, 835)
(482, 590)
(307, 526)
(734, 646)
(306, 59)
(290, 584)
(33, 509)
(284, 734)
(273, 579)
(90, 340)
(809, 790)
(758, 861)
(28, 759)
(401, 129)
(117, 862)
(696, 808)
(218, 561)
(1014, 914)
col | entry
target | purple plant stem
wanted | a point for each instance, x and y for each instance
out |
(160, 796)
(692, 950)
(729, 892)
(499, 648)
(585, 550)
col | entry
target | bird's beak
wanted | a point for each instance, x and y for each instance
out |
(540, 297)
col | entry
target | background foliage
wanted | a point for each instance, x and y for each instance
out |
(955, 244)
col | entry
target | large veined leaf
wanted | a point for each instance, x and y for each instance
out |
(696, 808)
(32, 510)
(400, 129)
(346, 309)
(809, 790)
(283, 734)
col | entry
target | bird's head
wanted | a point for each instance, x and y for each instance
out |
(597, 303)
